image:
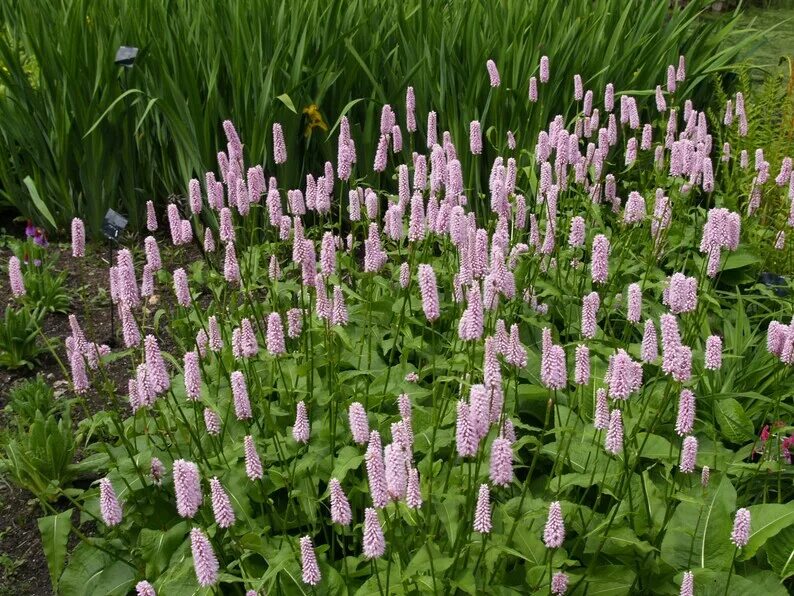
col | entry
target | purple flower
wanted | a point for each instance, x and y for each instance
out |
(554, 531)
(705, 473)
(413, 496)
(340, 507)
(688, 584)
(151, 217)
(713, 352)
(559, 583)
(374, 543)
(493, 74)
(294, 322)
(576, 236)
(501, 467)
(533, 89)
(376, 471)
(429, 292)
(614, 439)
(544, 69)
(590, 304)
(553, 371)
(582, 369)
(155, 365)
(78, 238)
(465, 439)
(623, 376)
(144, 588)
(601, 414)
(740, 535)
(181, 289)
(600, 259)
(650, 346)
(279, 147)
(410, 110)
(212, 422)
(15, 277)
(396, 464)
(475, 138)
(310, 570)
(686, 413)
(482, 513)
(253, 465)
(192, 376)
(221, 505)
(359, 425)
(689, 452)
(275, 335)
(204, 561)
(187, 487)
(242, 405)
(109, 505)
(300, 431)
(231, 270)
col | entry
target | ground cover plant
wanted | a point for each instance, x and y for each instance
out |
(75, 125)
(379, 384)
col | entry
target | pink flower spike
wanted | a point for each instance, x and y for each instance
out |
(144, 588)
(359, 425)
(687, 584)
(253, 465)
(493, 73)
(554, 531)
(242, 405)
(205, 563)
(78, 238)
(689, 451)
(275, 335)
(614, 439)
(413, 497)
(300, 431)
(221, 505)
(713, 352)
(374, 543)
(109, 505)
(310, 570)
(482, 513)
(15, 277)
(559, 583)
(740, 535)
(187, 486)
(501, 465)
(685, 421)
(212, 422)
(279, 147)
(429, 292)
(340, 507)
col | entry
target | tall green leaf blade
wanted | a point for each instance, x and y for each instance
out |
(54, 537)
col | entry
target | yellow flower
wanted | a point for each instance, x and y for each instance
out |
(315, 119)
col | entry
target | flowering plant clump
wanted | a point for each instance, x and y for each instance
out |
(414, 381)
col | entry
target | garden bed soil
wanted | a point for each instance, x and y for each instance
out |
(23, 566)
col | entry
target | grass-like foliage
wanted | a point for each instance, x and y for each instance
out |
(81, 134)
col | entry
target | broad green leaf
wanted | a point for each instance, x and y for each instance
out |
(609, 580)
(420, 563)
(780, 553)
(54, 537)
(699, 535)
(448, 510)
(92, 572)
(158, 546)
(765, 522)
(733, 421)
(349, 458)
